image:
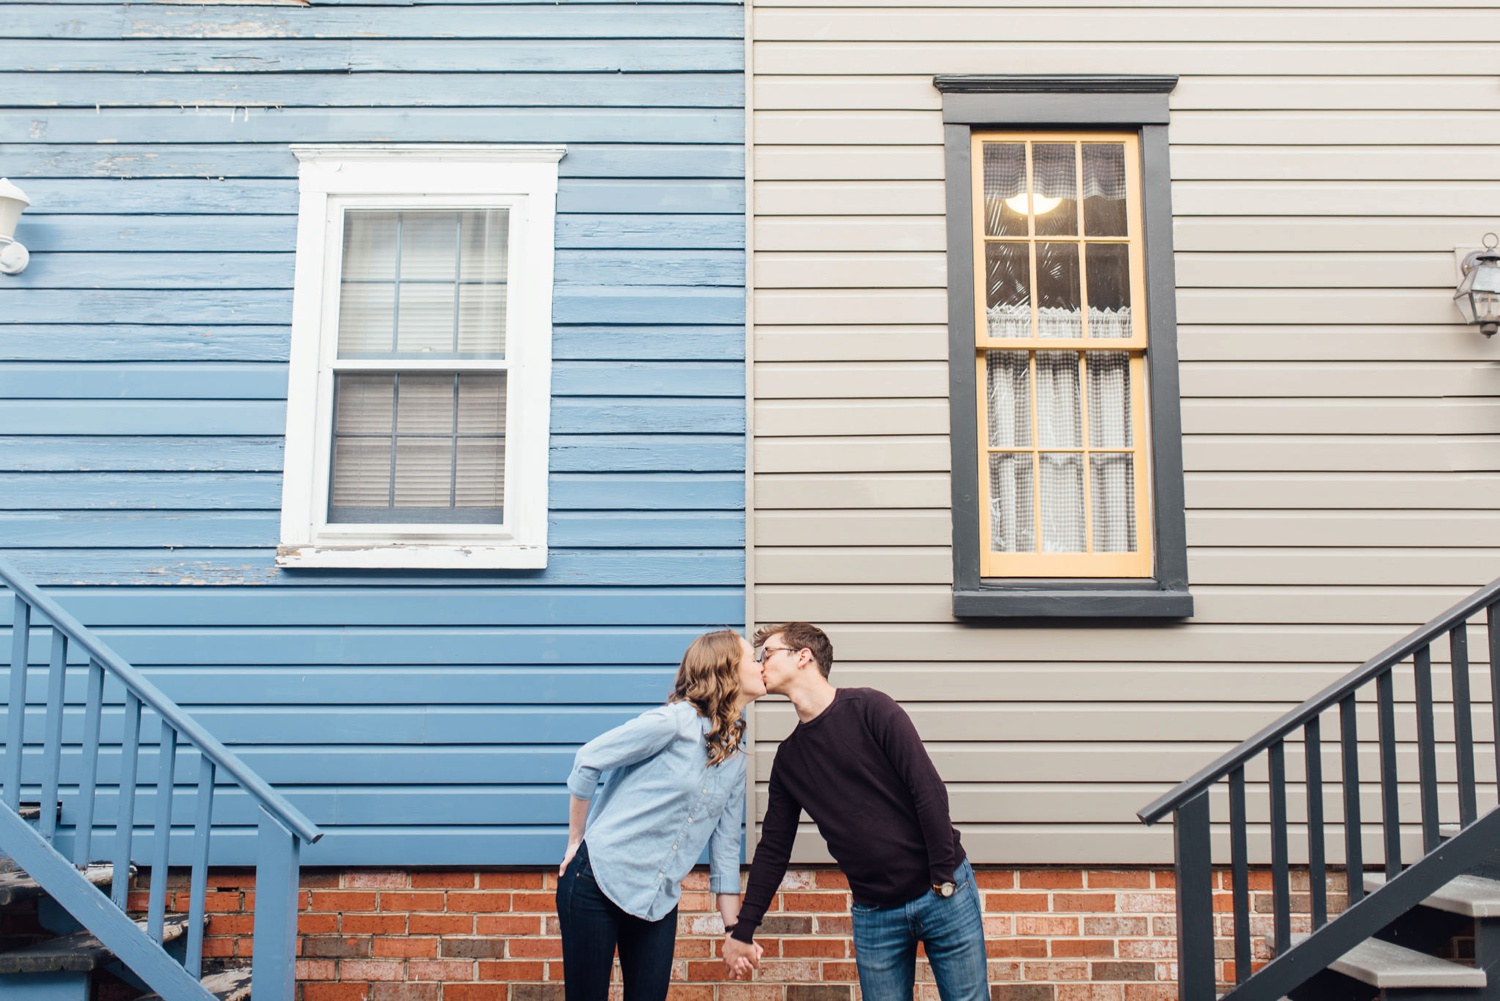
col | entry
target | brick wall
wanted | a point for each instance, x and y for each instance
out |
(491, 935)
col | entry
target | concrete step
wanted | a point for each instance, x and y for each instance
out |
(1469, 896)
(79, 952)
(1386, 966)
(230, 985)
(17, 885)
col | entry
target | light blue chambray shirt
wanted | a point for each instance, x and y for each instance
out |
(660, 803)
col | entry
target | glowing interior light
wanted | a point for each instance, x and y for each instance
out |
(1017, 203)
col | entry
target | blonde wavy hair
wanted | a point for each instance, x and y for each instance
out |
(709, 678)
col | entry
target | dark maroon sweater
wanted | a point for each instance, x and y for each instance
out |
(860, 771)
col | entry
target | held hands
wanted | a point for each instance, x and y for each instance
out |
(740, 959)
(568, 855)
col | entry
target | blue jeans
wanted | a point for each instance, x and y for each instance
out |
(951, 929)
(592, 925)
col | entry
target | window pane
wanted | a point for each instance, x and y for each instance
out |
(425, 405)
(481, 320)
(1059, 303)
(1054, 183)
(1062, 502)
(425, 319)
(370, 245)
(364, 404)
(1112, 476)
(1109, 289)
(1059, 417)
(367, 319)
(1009, 387)
(481, 473)
(1012, 500)
(361, 472)
(429, 246)
(484, 255)
(424, 472)
(1110, 424)
(1104, 189)
(1005, 189)
(424, 283)
(1008, 312)
(481, 404)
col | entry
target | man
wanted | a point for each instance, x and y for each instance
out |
(857, 766)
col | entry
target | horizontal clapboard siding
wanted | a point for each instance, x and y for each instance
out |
(1339, 422)
(420, 717)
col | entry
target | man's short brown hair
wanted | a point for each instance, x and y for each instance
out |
(801, 636)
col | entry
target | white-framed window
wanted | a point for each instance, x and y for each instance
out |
(420, 368)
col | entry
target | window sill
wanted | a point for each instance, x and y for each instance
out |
(1055, 600)
(412, 556)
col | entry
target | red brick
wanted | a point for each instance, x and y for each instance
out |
(311, 924)
(840, 973)
(240, 924)
(1004, 902)
(995, 879)
(441, 924)
(502, 969)
(343, 900)
(817, 901)
(317, 969)
(1115, 927)
(440, 969)
(535, 948)
(504, 924)
(492, 903)
(828, 948)
(510, 880)
(219, 947)
(1096, 902)
(830, 879)
(711, 970)
(1023, 948)
(335, 992)
(1083, 947)
(373, 924)
(475, 992)
(1045, 924)
(372, 969)
(406, 900)
(376, 879)
(406, 992)
(406, 948)
(751, 992)
(1090, 992)
(1119, 879)
(443, 880)
(1066, 879)
(690, 992)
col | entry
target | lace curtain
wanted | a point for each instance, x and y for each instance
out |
(1045, 490)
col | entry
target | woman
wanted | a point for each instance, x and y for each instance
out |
(676, 783)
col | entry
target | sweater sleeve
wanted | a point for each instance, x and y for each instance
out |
(896, 735)
(771, 855)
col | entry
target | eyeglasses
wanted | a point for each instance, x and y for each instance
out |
(767, 651)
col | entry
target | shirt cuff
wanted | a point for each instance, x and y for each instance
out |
(728, 882)
(582, 785)
(744, 931)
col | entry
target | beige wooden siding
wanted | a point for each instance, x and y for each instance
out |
(1342, 427)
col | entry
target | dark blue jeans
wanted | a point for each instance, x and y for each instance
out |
(592, 927)
(951, 929)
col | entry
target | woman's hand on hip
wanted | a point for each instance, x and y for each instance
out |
(568, 856)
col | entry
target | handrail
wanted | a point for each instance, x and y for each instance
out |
(272, 801)
(1319, 703)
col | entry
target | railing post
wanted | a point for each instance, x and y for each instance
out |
(15, 720)
(1195, 903)
(273, 969)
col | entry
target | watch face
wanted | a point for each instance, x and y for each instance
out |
(946, 889)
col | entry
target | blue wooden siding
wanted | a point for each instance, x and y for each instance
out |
(421, 717)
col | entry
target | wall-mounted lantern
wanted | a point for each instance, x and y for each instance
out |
(1478, 295)
(13, 202)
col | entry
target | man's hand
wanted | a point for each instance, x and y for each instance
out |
(740, 959)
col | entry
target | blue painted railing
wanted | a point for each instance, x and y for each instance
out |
(1339, 705)
(282, 830)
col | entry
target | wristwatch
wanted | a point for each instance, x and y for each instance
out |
(945, 889)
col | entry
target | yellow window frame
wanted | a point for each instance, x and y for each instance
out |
(1088, 564)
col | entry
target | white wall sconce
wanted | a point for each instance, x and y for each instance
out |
(13, 202)
(1478, 295)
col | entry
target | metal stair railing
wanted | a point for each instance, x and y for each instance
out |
(281, 832)
(1192, 819)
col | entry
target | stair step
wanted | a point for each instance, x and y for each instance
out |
(230, 985)
(78, 952)
(19, 886)
(1385, 965)
(1470, 896)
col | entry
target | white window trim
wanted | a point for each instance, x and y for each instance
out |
(334, 177)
